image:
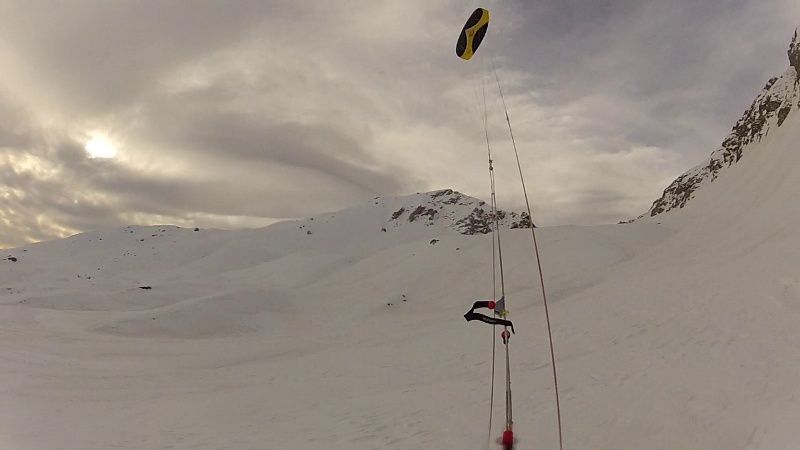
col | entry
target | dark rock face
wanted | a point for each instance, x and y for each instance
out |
(523, 222)
(783, 113)
(677, 193)
(769, 110)
(398, 213)
(443, 193)
(480, 221)
(422, 211)
(749, 128)
(794, 52)
(477, 222)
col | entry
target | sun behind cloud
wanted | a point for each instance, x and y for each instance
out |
(100, 147)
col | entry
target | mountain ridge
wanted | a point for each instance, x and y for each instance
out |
(779, 97)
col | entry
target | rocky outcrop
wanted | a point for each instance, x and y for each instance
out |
(523, 222)
(398, 213)
(477, 222)
(457, 211)
(769, 110)
(422, 211)
(794, 53)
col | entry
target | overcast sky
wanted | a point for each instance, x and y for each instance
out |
(239, 113)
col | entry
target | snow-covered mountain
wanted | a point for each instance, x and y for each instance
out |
(769, 110)
(344, 330)
(442, 209)
(331, 333)
(121, 260)
(383, 222)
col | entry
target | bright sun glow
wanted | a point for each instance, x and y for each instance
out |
(99, 147)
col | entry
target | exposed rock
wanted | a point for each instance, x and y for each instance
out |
(437, 194)
(398, 213)
(523, 222)
(783, 113)
(769, 110)
(794, 53)
(430, 213)
(477, 222)
(451, 201)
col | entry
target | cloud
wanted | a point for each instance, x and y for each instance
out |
(244, 113)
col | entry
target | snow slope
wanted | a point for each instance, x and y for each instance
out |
(701, 350)
(348, 337)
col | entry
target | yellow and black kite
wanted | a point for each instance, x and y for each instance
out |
(472, 34)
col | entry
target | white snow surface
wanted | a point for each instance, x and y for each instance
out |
(678, 334)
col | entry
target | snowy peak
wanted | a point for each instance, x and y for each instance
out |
(769, 111)
(454, 210)
(440, 210)
(389, 220)
(383, 222)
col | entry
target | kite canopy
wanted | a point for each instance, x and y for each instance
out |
(471, 36)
